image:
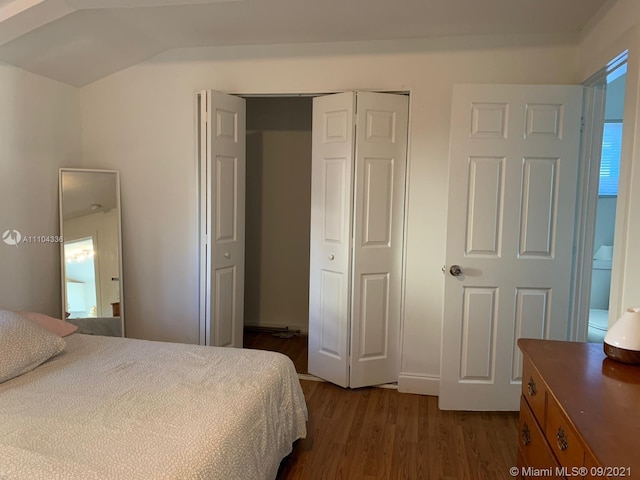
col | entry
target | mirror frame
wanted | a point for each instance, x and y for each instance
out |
(63, 273)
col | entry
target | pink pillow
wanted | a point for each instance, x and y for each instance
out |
(54, 325)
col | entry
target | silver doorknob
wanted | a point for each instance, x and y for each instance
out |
(331, 256)
(455, 270)
(227, 255)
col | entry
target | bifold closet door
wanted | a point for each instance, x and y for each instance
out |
(332, 167)
(357, 224)
(381, 152)
(223, 166)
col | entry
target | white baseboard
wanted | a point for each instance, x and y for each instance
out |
(419, 384)
(304, 329)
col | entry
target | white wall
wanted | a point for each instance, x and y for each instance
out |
(141, 122)
(39, 133)
(614, 32)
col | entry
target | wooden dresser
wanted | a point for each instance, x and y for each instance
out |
(579, 413)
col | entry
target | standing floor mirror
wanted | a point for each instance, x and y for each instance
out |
(91, 255)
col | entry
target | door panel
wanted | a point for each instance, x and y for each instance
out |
(331, 306)
(378, 201)
(224, 306)
(335, 192)
(226, 217)
(223, 144)
(532, 319)
(539, 207)
(381, 150)
(512, 190)
(478, 326)
(375, 316)
(485, 206)
(331, 219)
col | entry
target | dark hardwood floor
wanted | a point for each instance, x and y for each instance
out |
(376, 433)
(295, 347)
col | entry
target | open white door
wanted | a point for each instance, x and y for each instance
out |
(332, 167)
(512, 201)
(381, 151)
(223, 165)
(357, 224)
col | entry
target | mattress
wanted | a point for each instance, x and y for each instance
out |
(117, 408)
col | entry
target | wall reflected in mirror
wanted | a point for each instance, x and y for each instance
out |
(91, 252)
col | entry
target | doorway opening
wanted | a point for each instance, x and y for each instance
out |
(277, 225)
(613, 83)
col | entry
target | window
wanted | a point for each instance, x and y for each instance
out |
(610, 161)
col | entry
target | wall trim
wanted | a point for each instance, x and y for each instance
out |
(302, 329)
(419, 384)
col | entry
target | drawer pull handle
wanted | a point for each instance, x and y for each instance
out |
(526, 435)
(561, 437)
(531, 387)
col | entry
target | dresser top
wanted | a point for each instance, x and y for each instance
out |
(601, 397)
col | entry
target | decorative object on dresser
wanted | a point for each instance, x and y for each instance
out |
(622, 341)
(578, 413)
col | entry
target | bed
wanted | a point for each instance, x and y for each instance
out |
(116, 408)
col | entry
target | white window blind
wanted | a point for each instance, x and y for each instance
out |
(610, 161)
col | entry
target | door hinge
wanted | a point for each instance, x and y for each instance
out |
(583, 124)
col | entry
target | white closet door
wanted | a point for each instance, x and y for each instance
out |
(331, 224)
(381, 150)
(357, 224)
(512, 199)
(224, 148)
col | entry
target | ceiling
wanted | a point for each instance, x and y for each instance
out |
(80, 41)
(88, 192)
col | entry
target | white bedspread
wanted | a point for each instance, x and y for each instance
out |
(113, 408)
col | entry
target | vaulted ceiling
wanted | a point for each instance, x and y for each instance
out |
(80, 41)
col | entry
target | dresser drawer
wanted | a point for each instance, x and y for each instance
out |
(533, 448)
(534, 391)
(562, 437)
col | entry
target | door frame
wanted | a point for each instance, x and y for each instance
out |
(588, 182)
(202, 196)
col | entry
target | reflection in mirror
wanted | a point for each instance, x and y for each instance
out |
(91, 253)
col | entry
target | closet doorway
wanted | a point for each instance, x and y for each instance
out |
(356, 234)
(277, 225)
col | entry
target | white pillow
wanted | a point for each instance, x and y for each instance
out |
(24, 345)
